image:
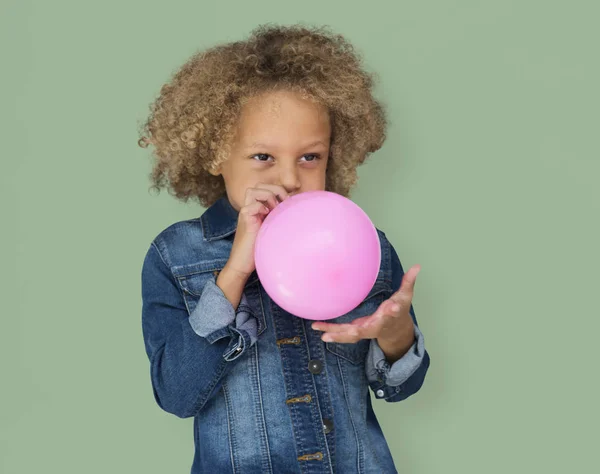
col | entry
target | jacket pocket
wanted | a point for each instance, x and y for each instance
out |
(192, 279)
(356, 352)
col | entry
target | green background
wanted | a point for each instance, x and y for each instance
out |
(488, 179)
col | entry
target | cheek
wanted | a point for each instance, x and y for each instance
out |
(235, 190)
(235, 199)
(314, 181)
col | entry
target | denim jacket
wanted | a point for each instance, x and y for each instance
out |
(266, 393)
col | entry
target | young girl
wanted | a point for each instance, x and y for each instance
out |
(241, 127)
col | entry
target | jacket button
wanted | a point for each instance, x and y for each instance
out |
(315, 366)
(327, 425)
(380, 393)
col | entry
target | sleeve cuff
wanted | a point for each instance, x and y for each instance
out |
(214, 318)
(385, 379)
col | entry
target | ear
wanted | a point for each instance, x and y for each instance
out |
(215, 170)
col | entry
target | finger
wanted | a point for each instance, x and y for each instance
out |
(279, 191)
(343, 332)
(255, 209)
(331, 327)
(372, 323)
(392, 307)
(407, 287)
(352, 335)
(363, 322)
(264, 196)
(367, 322)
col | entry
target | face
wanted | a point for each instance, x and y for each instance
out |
(281, 139)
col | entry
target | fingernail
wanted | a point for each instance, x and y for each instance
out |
(326, 338)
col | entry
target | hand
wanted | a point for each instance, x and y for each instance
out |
(392, 324)
(259, 201)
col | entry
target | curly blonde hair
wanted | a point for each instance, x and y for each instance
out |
(195, 116)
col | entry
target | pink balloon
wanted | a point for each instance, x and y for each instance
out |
(317, 255)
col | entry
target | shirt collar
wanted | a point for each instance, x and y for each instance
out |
(219, 220)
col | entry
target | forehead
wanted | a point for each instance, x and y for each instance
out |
(275, 113)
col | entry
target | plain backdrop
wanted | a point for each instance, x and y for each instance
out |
(488, 179)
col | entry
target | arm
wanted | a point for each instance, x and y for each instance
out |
(398, 381)
(189, 354)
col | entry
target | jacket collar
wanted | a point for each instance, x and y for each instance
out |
(219, 220)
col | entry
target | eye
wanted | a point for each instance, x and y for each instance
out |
(261, 157)
(311, 157)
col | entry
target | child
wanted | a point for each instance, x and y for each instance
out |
(241, 127)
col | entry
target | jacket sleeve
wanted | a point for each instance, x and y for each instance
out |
(189, 353)
(404, 377)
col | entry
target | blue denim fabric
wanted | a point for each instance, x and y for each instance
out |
(266, 393)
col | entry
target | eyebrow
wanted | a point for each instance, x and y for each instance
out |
(266, 145)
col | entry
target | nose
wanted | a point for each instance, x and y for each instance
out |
(290, 179)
